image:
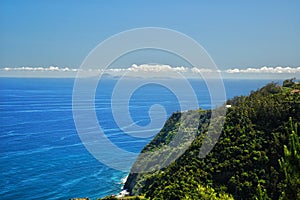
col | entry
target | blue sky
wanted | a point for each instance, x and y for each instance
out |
(237, 34)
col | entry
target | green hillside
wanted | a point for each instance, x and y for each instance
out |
(256, 156)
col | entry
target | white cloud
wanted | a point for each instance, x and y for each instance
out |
(51, 68)
(115, 70)
(265, 69)
(200, 70)
(134, 69)
(148, 70)
(155, 68)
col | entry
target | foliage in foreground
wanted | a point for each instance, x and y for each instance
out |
(290, 164)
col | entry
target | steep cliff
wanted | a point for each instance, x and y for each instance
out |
(243, 164)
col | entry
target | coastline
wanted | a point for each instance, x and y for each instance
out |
(123, 181)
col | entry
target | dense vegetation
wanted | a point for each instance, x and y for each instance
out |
(256, 157)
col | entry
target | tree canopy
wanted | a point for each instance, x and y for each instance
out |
(256, 157)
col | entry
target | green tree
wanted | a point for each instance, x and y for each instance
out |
(290, 164)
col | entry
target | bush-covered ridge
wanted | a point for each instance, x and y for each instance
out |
(249, 160)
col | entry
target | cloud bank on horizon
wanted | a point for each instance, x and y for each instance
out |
(51, 68)
(150, 71)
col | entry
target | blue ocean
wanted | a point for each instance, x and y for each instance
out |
(41, 153)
